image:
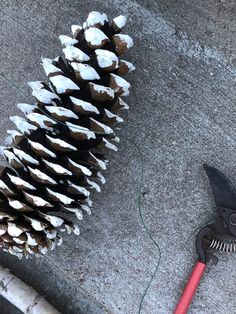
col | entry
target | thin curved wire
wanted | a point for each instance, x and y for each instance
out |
(13, 84)
(145, 227)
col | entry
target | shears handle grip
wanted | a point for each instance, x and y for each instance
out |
(190, 289)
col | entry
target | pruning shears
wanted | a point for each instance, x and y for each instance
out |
(214, 236)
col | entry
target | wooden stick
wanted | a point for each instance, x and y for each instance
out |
(24, 297)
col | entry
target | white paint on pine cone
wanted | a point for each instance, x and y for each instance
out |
(53, 245)
(31, 240)
(85, 71)
(75, 54)
(17, 249)
(67, 40)
(42, 176)
(86, 208)
(121, 83)
(116, 139)
(106, 58)
(76, 211)
(75, 29)
(123, 103)
(13, 230)
(112, 115)
(41, 120)
(60, 197)
(100, 162)
(103, 89)
(51, 234)
(20, 182)
(101, 178)
(24, 156)
(42, 250)
(88, 201)
(61, 143)
(39, 147)
(35, 84)
(36, 224)
(78, 188)
(106, 129)
(86, 106)
(3, 186)
(109, 144)
(95, 36)
(79, 214)
(16, 204)
(26, 108)
(61, 112)
(120, 21)
(93, 185)
(54, 220)
(84, 169)
(40, 93)
(14, 133)
(62, 84)
(18, 241)
(79, 129)
(68, 229)
(37, 201)
(130, 65)
(126, 39)
(59, 240)
(48, 67)
(95, 18)
(58, 168)
(23, 296)
(76, 230)
(11, 156)
(23, 125)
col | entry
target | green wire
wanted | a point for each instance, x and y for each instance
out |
(13, 84)
(145, 227)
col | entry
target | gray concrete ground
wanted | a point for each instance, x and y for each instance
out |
(182, 113)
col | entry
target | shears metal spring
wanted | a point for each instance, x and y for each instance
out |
(223, 245)
(213, 236)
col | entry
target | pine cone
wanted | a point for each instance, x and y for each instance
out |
(57, 152)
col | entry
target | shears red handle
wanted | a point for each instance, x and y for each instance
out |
(190, 289)
(209, 236)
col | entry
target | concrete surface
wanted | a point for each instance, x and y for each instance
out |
(182, 113)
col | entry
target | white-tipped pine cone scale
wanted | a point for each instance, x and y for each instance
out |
(57, 152)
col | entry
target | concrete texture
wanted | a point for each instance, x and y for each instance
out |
(182, 113)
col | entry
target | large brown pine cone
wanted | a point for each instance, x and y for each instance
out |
(56, 154)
